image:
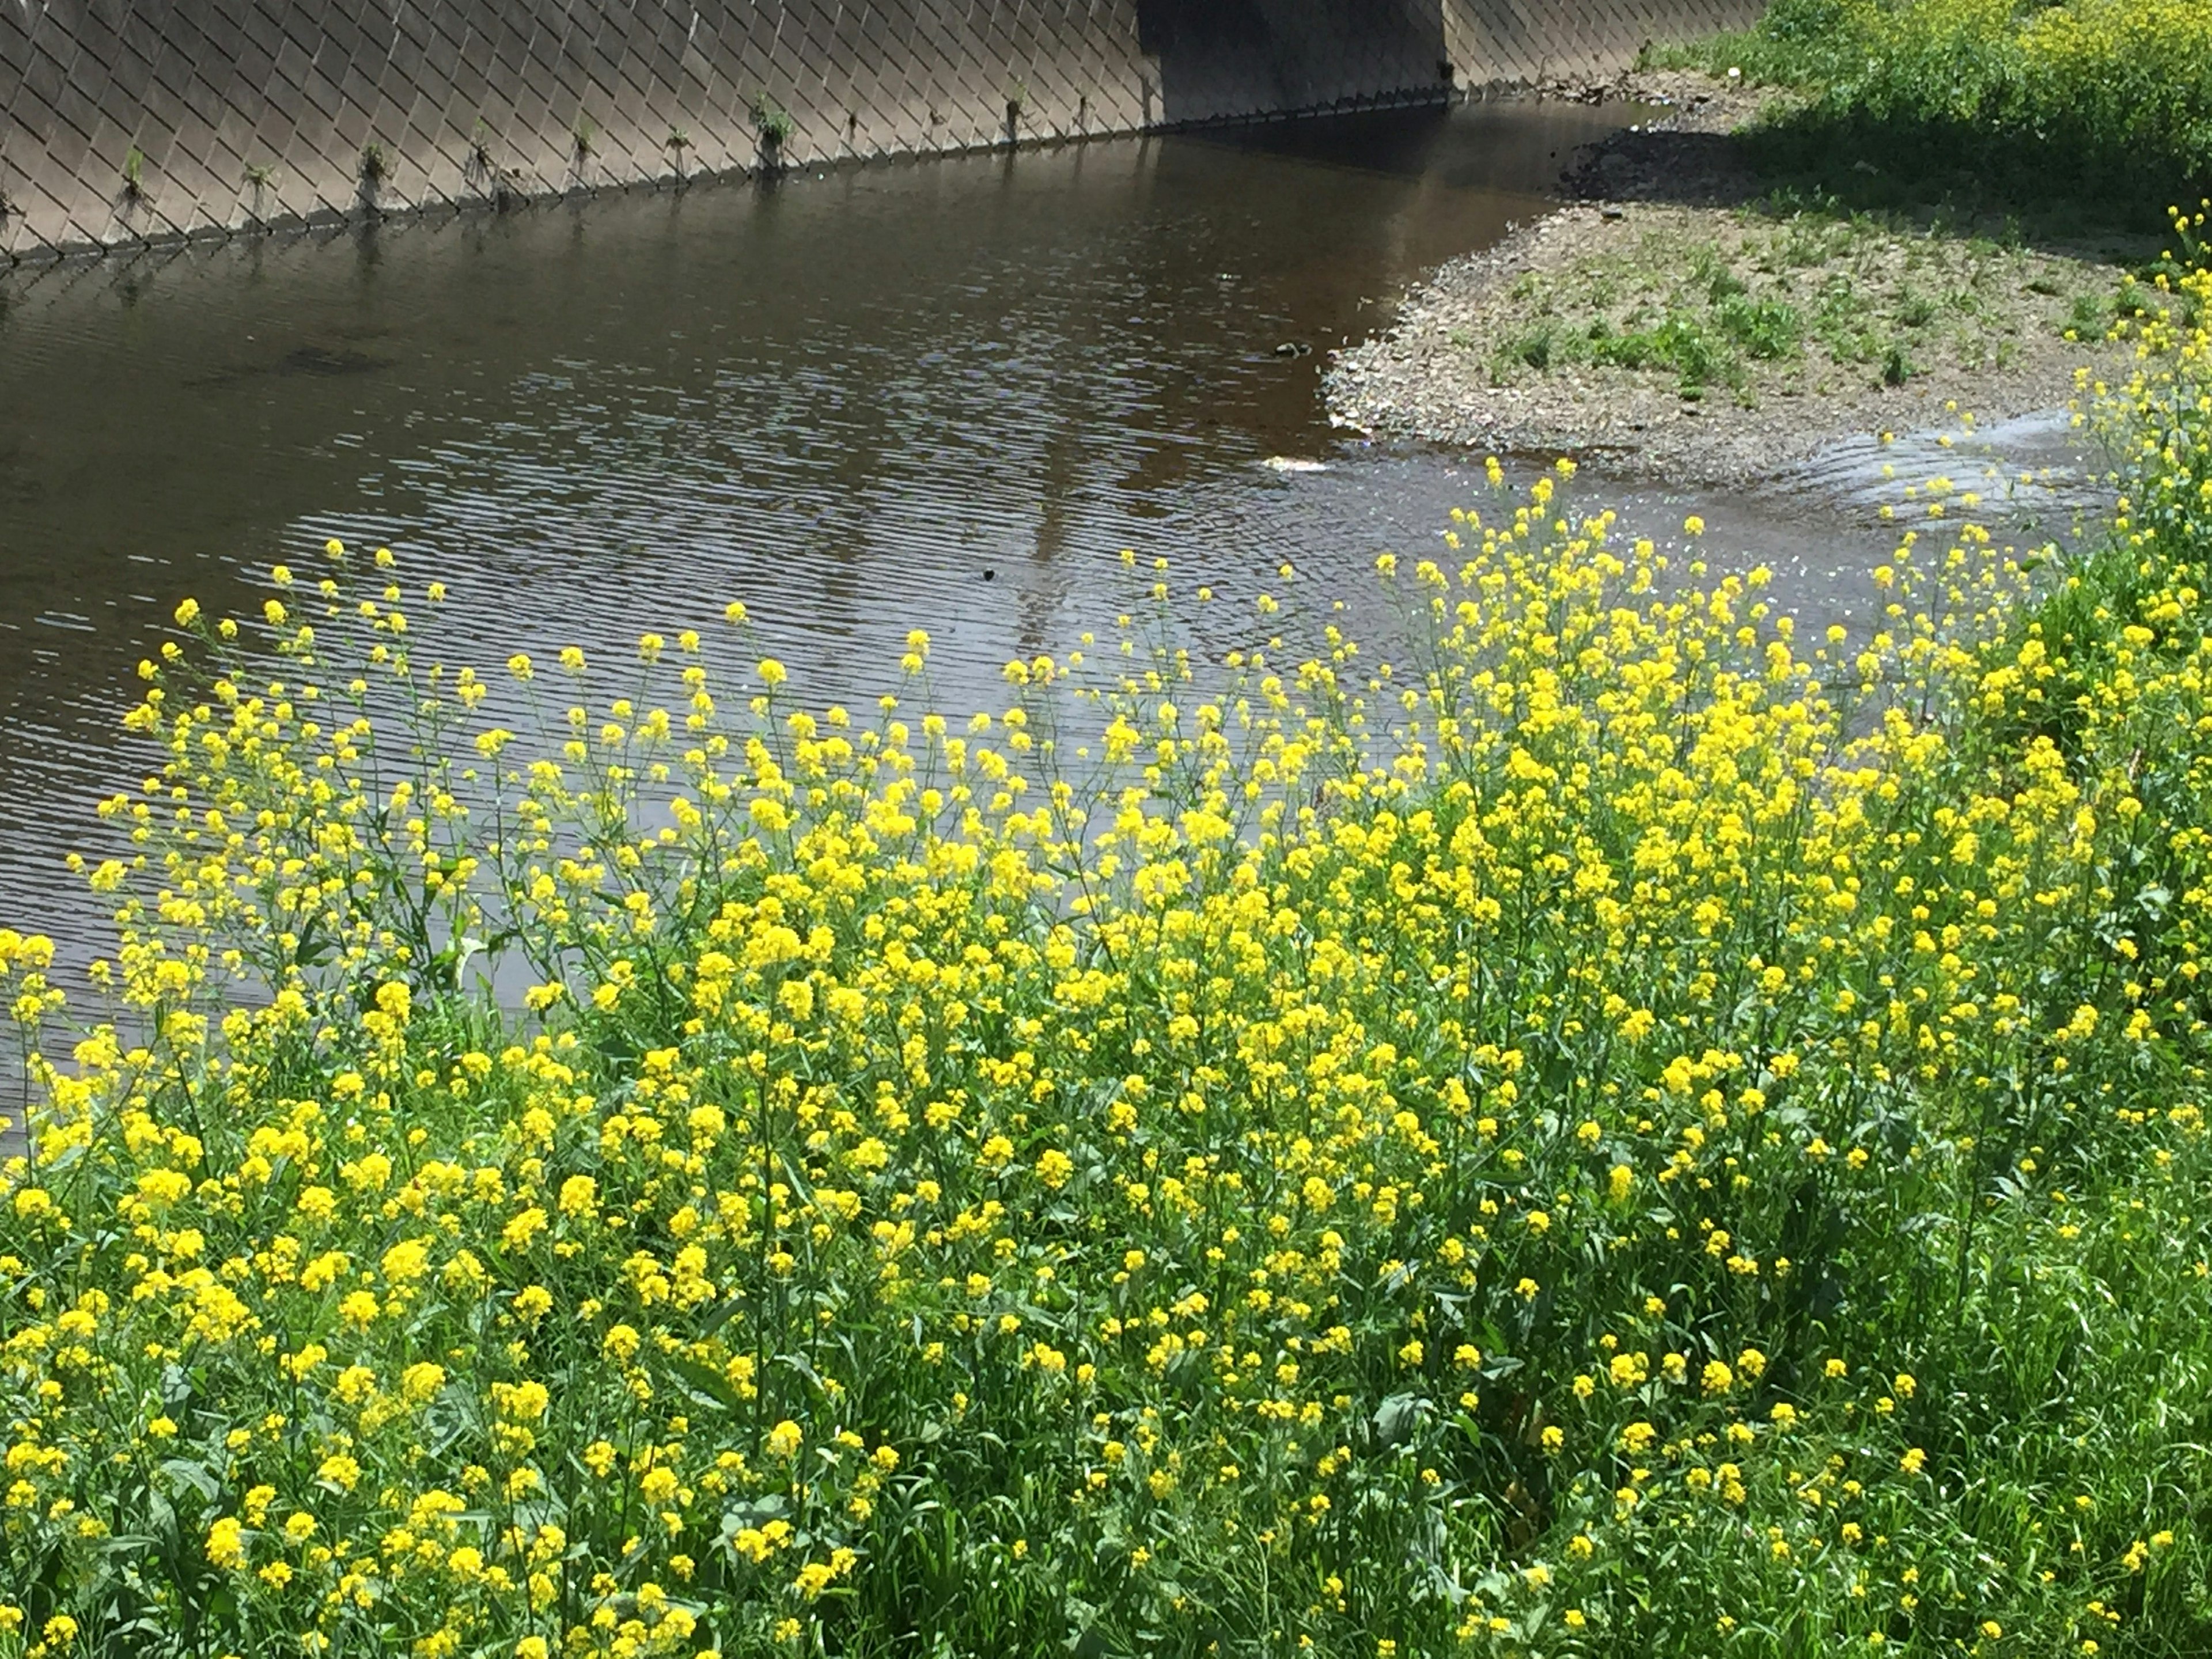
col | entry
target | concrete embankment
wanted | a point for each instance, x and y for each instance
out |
(131, 121)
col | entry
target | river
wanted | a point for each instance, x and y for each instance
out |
(942, 394)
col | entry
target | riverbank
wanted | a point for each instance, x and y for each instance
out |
(1686, 319)
(1678, 1126)
(1539, 1103)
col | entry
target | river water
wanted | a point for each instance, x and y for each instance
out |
(940, 394)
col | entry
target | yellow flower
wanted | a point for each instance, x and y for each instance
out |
(226, 1545)
(406, 1261)
(421, 1381)
(339, 1470)
(523, 1402)
(358, 1308)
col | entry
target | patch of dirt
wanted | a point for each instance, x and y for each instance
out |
(1676, 323)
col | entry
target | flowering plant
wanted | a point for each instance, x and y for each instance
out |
(1621, 1129)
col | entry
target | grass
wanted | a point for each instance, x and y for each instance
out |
(1787, 297)
(2107, 102)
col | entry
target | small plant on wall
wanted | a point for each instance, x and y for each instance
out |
(134, 174)
(586, 135)
(260, 177)
(372, 169)
(677, 141)
(485, 173)
(774, 125)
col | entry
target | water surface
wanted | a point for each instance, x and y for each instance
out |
(943, 394)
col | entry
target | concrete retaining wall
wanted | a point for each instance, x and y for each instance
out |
(1536, 42)
(123, 121)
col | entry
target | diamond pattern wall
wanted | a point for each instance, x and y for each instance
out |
(123, 121)
(1535, 42)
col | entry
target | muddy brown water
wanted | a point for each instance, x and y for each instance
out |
(942, 395)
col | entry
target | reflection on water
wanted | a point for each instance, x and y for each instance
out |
(940, 395)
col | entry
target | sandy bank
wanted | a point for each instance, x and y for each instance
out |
(1677, 320)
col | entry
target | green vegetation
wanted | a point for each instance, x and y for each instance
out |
(1791, 296)
(1627, 1131)
(2088, 97)
(774, 124)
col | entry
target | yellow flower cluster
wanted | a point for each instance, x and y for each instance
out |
(1592, 1134)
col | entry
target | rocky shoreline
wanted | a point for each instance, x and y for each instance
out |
(1460, 366)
